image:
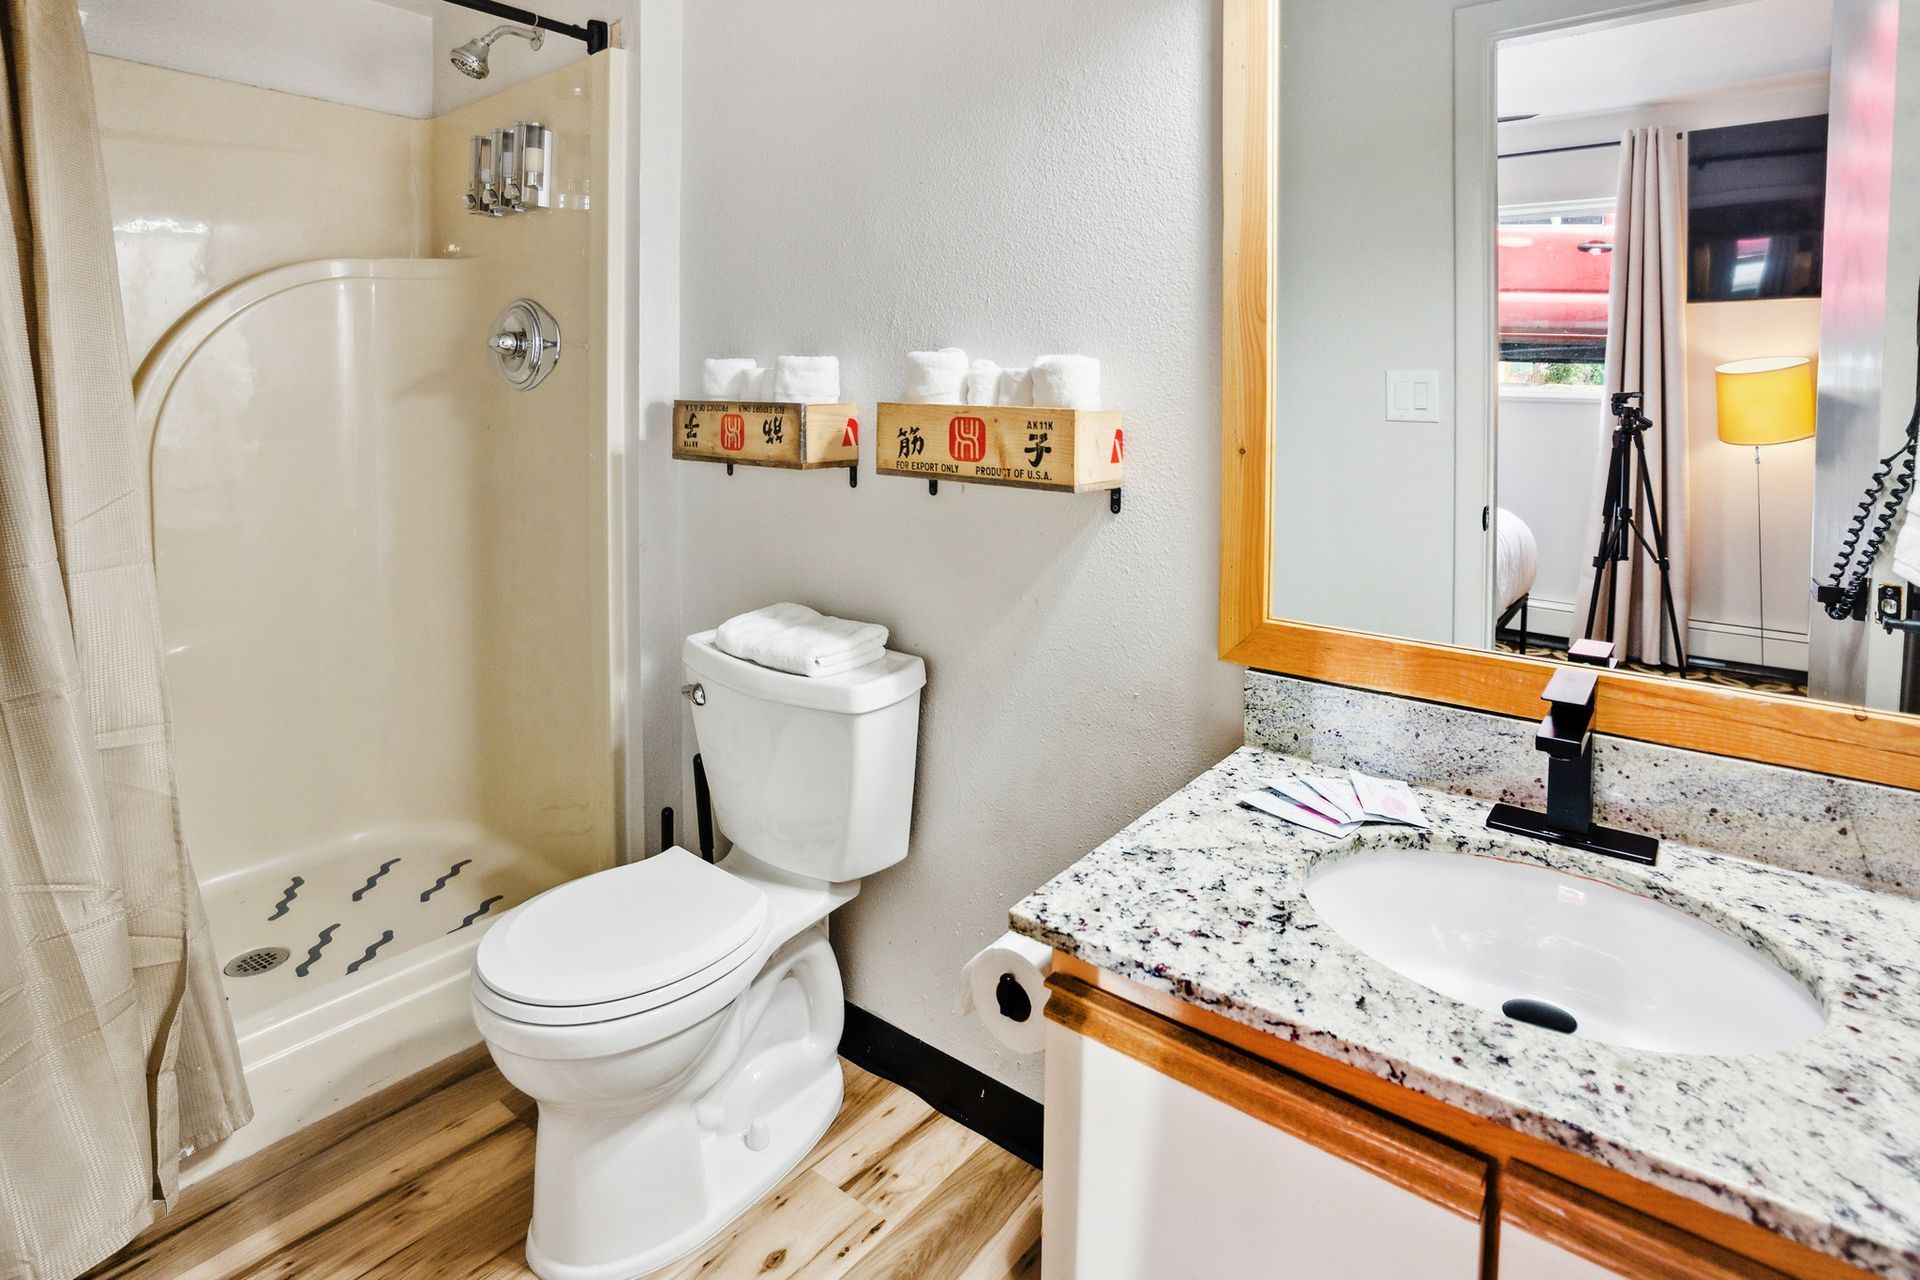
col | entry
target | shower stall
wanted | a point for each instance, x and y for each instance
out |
(388, 553)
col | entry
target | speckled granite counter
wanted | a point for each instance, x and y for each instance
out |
(1819, 1142)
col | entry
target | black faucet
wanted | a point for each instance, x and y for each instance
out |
(1566, 735)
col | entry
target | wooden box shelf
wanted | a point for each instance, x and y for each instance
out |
(798, 437)
(1062, 450)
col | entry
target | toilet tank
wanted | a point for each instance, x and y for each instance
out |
(811, 775)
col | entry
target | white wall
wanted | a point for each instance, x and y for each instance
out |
(1549, 457)
(881, 175)
(1363, 507)
(362, 53)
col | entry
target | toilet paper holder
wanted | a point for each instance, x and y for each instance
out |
(1015, 1004)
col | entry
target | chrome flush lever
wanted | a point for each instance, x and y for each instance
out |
(694, 693)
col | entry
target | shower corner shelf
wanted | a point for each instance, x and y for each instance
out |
(1058, 450)
(761, 433)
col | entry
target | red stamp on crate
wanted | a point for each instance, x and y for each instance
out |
(967, 439)
(733, 432)
(852, 438)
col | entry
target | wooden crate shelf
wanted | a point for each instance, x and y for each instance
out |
(1061, 450)
(796, 437)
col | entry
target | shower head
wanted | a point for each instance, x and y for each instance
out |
(471, 57)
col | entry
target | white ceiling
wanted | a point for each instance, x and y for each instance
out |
(1694, 53)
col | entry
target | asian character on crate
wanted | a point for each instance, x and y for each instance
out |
(912, 443)
(1037, 447)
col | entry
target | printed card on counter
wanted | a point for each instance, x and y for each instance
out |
(1388, 801)
(1340, 793)
(1302, 793)
(1278, 806)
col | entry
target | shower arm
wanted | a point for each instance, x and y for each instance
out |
(593, 35)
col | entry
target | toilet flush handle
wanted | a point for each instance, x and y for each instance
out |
(694, 693)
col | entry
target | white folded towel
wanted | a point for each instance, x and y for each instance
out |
(1066, 382)
(983, 382)
(732, 378)
(794, 638)
(935, 377)
(807, 379)
(1015, 387)
(1906, 548)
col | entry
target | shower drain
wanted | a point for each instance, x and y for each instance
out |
(258, 960)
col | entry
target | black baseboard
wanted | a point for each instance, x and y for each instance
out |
(1003, 1116)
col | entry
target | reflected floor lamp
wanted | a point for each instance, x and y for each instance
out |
(1762, 402)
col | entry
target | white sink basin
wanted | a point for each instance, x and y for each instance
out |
(1628, 970)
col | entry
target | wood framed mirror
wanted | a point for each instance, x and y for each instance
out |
(1794, 730)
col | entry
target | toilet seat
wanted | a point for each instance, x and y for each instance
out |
(620, 942)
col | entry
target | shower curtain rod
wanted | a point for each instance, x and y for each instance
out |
(593, 35)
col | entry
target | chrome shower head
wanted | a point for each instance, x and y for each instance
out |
(471, 58)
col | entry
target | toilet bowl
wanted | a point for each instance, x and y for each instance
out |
(678, 1022)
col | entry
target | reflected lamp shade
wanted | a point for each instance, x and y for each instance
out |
(1766, 401)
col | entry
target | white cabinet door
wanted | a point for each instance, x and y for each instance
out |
(1525, 1256)
(1551, 1229)
(1149, 1179)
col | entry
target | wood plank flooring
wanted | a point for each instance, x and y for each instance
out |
(443, 1188)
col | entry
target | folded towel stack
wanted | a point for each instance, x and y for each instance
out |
(734, 378)
(936, 377)
(983, 382)
(945, 377)
(807, 379)
(794, 638)
(1066, 382)
(1015, 387)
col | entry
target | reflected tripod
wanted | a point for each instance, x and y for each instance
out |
(1627, 474)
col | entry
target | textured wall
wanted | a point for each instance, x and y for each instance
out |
(862, 178)
(362, 53)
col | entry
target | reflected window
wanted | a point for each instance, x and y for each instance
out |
(1555, 267)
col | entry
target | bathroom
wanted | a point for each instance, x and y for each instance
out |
(1025, 942)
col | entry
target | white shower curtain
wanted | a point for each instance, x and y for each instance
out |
(1646, 353)
(116, 1049)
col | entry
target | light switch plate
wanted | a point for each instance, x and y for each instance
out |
(1413, 395)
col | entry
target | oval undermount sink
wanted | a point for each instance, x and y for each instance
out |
(1540, 946)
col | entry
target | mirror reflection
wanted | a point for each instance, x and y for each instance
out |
(1595, 329)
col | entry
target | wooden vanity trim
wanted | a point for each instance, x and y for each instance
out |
(1436, 1171)
(1504, 1146)
(1849, 742)
(1609, 1235)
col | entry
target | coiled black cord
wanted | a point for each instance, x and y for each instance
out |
(1848, 592)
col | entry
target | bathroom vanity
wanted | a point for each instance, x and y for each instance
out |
(1235, 1088)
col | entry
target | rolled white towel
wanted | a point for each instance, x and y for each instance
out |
(1906, 548)
(936, 377)
(1015, 387)
(731, 378)
(983, 382)
(807, 379)
(1066, 382)
(794, 638)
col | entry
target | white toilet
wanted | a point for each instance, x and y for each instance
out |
(678, 1022)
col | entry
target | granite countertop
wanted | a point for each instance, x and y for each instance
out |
(1819, 1142)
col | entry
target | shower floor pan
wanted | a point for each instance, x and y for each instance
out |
(379, 932)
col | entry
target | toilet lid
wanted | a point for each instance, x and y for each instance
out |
(619, 933)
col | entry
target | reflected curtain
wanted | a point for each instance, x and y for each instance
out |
(1645, 353)
(116, 1048)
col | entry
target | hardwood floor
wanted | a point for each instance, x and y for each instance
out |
(444, 1188)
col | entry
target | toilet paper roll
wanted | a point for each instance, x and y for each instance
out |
(1005, 986)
